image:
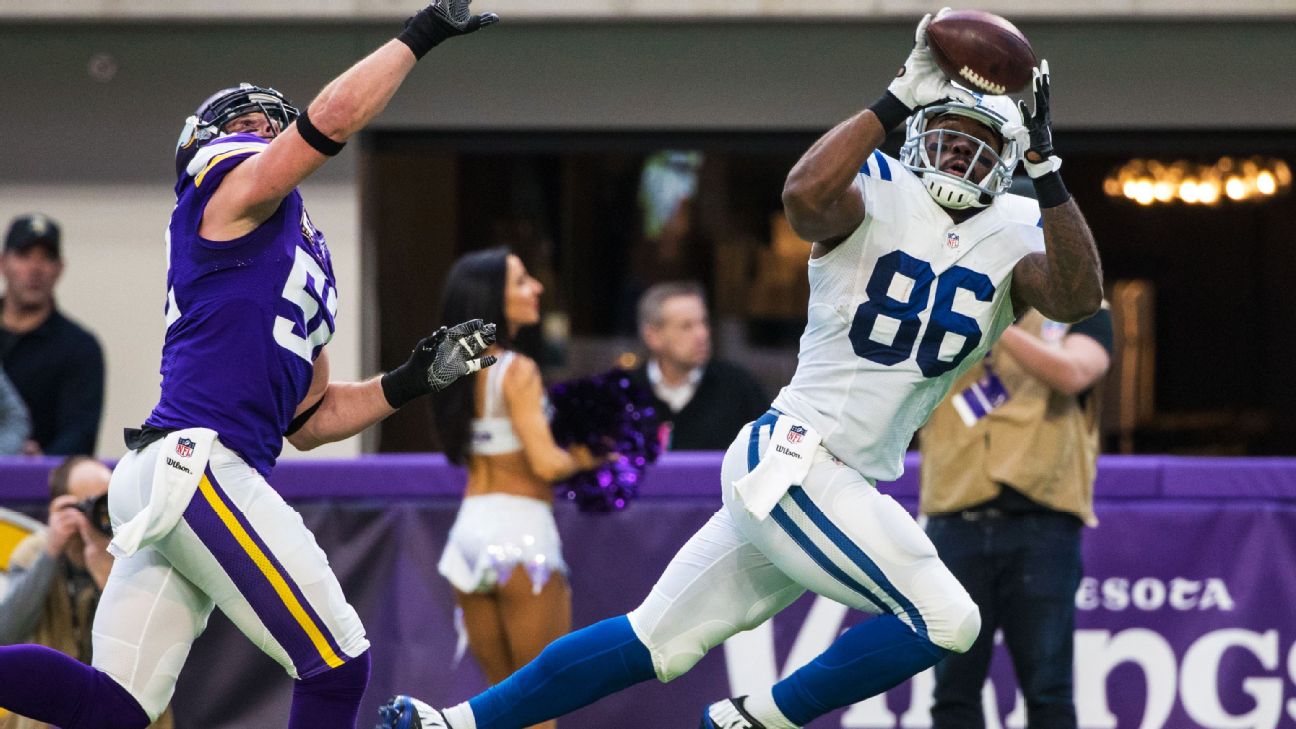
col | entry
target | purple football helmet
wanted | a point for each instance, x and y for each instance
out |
(222, 107)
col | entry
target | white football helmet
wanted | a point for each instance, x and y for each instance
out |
(922, 149)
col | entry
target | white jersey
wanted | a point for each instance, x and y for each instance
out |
(898, 311)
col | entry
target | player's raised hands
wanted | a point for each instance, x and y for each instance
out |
(440, 21)
(1035, 136)
(920, 82)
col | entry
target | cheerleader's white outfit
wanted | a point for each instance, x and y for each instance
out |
(495, 533)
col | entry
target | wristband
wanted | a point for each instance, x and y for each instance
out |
(422, 33)
(402, 385)
(1049, 190)
(318, 140)
(890, 110)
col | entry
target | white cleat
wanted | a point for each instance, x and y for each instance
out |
(407, 712)
(729, 714)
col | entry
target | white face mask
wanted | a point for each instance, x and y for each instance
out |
(922, 149)
(960, 189)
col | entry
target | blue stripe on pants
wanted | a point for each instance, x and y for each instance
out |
(825, 562)
(753, 447)
(858, 556)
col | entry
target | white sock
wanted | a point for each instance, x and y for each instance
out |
(763, 709)
(461, 716)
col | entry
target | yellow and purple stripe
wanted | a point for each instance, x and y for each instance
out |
(263, 581)
(198, 179)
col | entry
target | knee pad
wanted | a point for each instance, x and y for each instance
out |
(964, 621)
(953, 619)
(151, 689)
(676, 649)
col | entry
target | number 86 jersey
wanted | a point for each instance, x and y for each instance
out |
(898, 310)
(245, 318)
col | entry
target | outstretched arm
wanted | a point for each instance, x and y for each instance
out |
(252, 192)
(333, 411)
(1065, 281)
(821, 197)
(1071, 368)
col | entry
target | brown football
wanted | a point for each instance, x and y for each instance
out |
(981, 51)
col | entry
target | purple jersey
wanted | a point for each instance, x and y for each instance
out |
(245, 318)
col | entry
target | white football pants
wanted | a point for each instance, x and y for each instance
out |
(835, 534)
(239, 547)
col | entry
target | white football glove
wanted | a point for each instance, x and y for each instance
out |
(920, 81)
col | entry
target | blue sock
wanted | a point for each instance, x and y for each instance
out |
(45, 685)
(866, 660)
(573, 671)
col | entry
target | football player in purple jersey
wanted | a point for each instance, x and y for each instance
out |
(251, 298)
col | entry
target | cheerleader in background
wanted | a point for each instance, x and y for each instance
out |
(503, 555)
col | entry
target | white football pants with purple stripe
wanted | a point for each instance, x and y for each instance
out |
(239, 547)
(835, 534)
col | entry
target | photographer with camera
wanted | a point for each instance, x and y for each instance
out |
(57, 574)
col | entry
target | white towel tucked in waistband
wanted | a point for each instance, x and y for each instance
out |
(180, 464)
(783, 464)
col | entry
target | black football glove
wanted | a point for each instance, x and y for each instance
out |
(440, 21)
(439, 360)
(1036, 135)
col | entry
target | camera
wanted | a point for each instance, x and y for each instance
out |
(95, 509)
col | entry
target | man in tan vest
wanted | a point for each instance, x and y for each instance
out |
(1008, 463)
(58, 573)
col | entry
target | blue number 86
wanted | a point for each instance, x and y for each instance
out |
(943, 319)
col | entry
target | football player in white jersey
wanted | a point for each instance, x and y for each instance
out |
(917, 267)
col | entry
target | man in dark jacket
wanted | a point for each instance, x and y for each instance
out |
(703, 401)
(56, 365)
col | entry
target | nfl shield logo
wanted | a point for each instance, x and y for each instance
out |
(184, 447)
(796, 433)
(951, 240)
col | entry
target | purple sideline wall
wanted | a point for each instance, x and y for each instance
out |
(1183, 614)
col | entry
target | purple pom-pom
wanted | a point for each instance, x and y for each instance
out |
(608, 413)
